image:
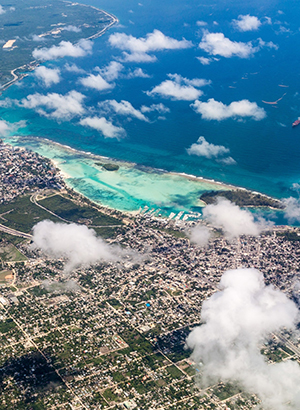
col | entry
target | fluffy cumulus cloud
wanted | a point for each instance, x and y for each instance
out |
(201, 23)
(73, 68)
(96, 82)
(122, 108)
(292, 209)
(233, 220)
(202, 148)
(71, 28)
(199, 235)
(78, 244)
(8, 127)
(237, 320)
(64, 49)
(216, 110)
(138, 73)
(179, 88)
(48, 76)
(5, 128)
(204, 60)
(56, 106)
(160, 108)
(137, 49)
(112, 71)
(246, 23)
(104, 126)
(218, 44)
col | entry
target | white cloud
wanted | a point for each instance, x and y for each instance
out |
(56, 106)
(123, 108)
(37, 38)
(64, 49)
(233, 220)
(138, 58)
(47, 75)
(199, 235)
(138, 72)
(2, 11)
(112, 71)
(237, 320)
(179, 88)
(195, 82)
(202, 148)
(216, 110)
(74, 29)
(96, 82)
(246, 23)
(268, 44)
(77, 243)
(137, 49)
(73, 68)
(104, 126)
(160, 108)
(268, 20)
(292, 209)
(8, 127)
(5, 127)
(201, 23)
(218, 44)
(204, 60)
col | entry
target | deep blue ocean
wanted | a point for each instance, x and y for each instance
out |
(267, 152)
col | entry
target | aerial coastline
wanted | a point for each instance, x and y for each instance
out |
(76, 166)
(21, 71)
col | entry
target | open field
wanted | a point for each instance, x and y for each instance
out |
(67, 209)
(4, 274)
(24, 214)
(9, 253)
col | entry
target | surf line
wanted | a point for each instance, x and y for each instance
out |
(274, 102)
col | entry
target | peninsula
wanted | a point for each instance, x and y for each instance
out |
(58, 21)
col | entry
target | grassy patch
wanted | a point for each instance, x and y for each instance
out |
(9, 253)
(3, 275)
(174, 372)
(68, 209)
(24, 214)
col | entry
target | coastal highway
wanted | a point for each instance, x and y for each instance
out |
(14, 232)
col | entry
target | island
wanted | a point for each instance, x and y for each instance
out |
(108, 167)
(58, 21)
(242, 197)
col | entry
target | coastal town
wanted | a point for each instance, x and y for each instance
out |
(112, 334)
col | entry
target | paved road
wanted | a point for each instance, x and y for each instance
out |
(14, 232)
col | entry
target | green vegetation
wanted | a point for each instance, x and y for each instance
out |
(9, 253)
(24, 214)
(19, 22)
(80, 213)
(241, 198)
(115, 303)
(292, 236)
(15, 240)
(174, 372)
(108, 167)
(7, 325)
(3, 275)
(225, 391)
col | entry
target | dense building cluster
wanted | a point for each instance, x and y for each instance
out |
(22, 171)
